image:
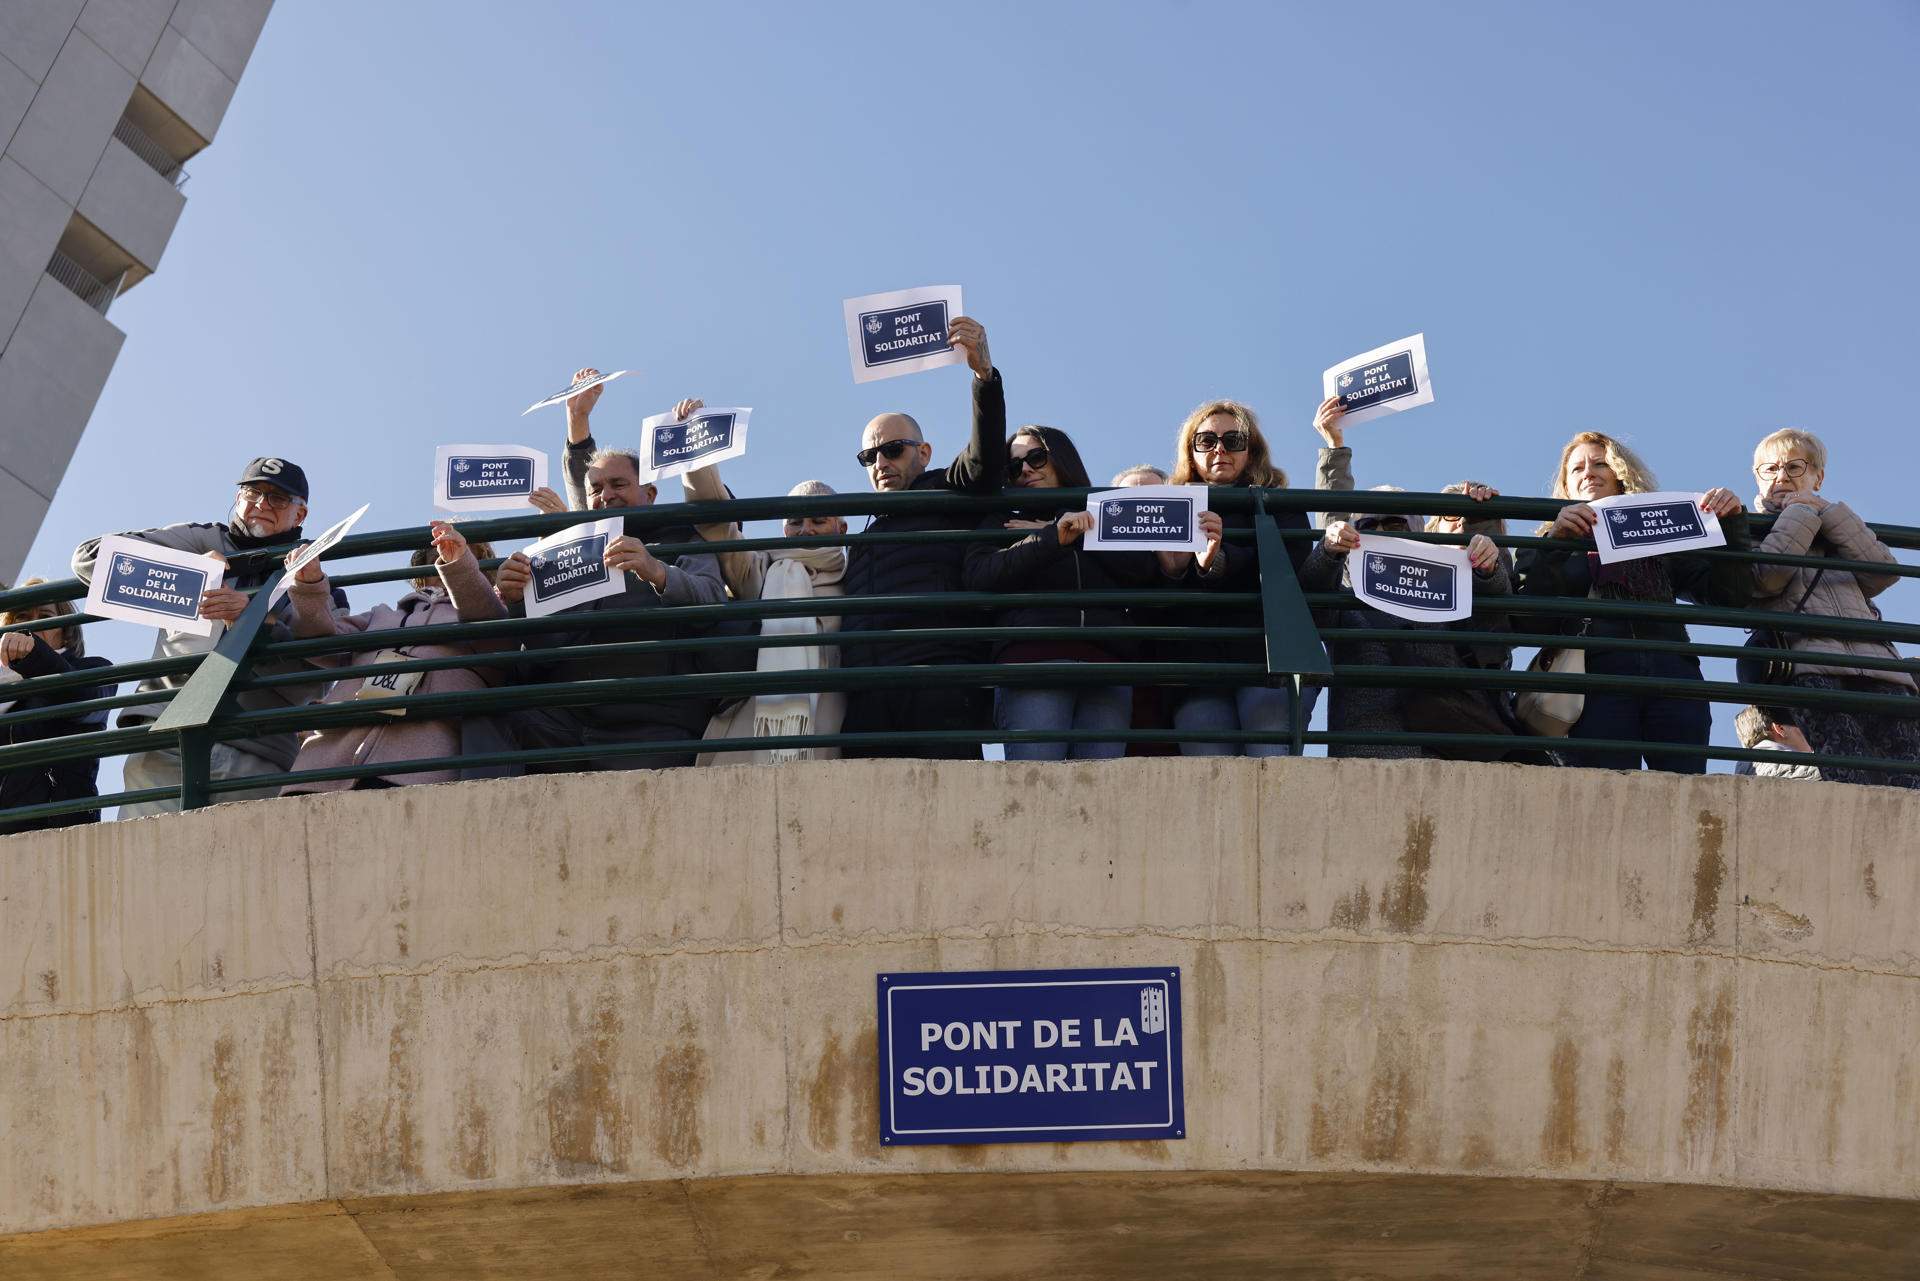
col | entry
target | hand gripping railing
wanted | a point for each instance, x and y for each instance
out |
(203, 712)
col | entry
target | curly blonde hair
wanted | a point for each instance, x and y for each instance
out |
(1635, 476)
(1260, 471)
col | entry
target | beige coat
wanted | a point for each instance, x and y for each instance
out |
(1802, 531)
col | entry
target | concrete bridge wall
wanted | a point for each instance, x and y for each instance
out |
(1396, 967)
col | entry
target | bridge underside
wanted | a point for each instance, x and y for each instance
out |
(1092, 1225)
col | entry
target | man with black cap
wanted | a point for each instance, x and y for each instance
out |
(268, 507)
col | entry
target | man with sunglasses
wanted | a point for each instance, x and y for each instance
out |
(894, 453)
(269, 505)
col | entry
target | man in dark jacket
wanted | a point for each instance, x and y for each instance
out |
(609, 480)
(24, 656)
(895, 455)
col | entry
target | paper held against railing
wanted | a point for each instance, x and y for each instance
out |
(569, 569)
(486, 478)
(585, 384)
(1383, 381)
(313, 551)
(1425, 582)
(1635, 525)
(157, 586)
(1147, 518)
(672, 447)
(902, 332)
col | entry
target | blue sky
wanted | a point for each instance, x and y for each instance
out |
(1684, 224)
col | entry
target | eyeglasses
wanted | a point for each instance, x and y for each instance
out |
(1032, 460)
(1382, 522)
(272, 499)
(1234, 442)
(889, 451)
(1792, 469)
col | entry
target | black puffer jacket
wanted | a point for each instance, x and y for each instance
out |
(62, 780)
(1040, 563)
(907, 569)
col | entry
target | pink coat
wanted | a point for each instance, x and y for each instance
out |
(465, 596)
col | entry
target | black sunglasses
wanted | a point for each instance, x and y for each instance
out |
(1235, 442)
(1032, 460)
(1383, 522)
(890, 451)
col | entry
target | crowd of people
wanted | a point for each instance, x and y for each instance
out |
(1219, 444)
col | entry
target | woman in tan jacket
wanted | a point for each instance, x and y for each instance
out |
(1789, 467)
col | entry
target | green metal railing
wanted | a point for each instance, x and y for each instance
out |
(203, 710)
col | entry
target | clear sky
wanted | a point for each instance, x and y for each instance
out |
(1683, 224)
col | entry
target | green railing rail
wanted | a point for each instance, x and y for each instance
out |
(204, 710)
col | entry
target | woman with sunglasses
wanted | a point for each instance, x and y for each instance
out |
(1593, 465)
(1053, 559)
(1789, 467)
(1220, 444)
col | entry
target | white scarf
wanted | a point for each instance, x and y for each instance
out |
(792, 574)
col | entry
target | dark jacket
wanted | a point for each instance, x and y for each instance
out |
(908, 569)
(61, 780)
(1240, 572)
(1040, 563)
(1727, 584)
(691, 580)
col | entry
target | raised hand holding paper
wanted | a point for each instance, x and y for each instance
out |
(1632, 526)
(583, 385)
(1425, 582)
(156, 586)
(568, 568)
(1383, 381)
(902, 332)
(313, 550)
(486, 477)
(1157, 518)
(673, 447)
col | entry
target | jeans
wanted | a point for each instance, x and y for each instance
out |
(1083, 707)
(161, 768)
(1251, 707)
(1637, 716)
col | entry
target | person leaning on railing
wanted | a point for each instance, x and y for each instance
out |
(1593, 466)
(895, 454)
(1375, 710)
(609, 480)
(1149, 701)
(48, 652)
(268, 507)
(1220, 444)
(1054, 559)
(456, 591)
(1790, 467)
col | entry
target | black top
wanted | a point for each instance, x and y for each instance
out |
(61, 780)
(1727, 584)
(1039, 562)
(911, 569)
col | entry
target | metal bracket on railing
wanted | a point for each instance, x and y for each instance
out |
(209, 692)
(1293, 642)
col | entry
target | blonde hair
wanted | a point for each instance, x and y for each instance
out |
(1635, 477)
(1788, 439)
(69, 637)
(1260, 470)
(1141, 469)
(1751, 726)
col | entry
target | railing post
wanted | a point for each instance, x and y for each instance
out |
(196, 768)
(207, 695)
(1293, 642)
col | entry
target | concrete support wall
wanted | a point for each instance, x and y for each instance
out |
(1393, 966)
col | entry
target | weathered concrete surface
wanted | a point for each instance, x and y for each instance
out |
(980, 1227)
(1390, 967)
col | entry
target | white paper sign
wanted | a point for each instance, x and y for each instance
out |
(1425, 582)
(585, 384)
(312, 552)
(157, 586)
(1632, 526)
(1383, 381)
(902, 332)
(673, 447)
(486, 478)
(568, 568)
(1149, 518)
